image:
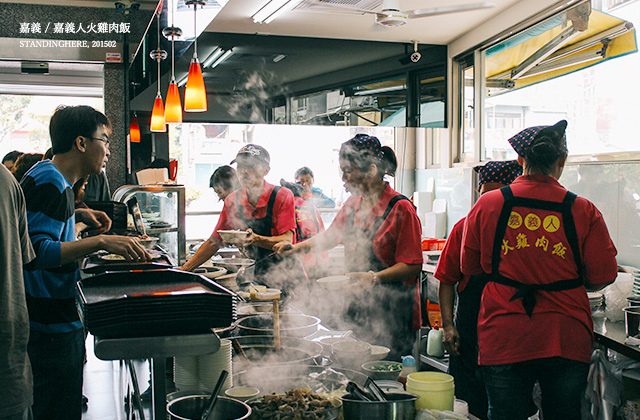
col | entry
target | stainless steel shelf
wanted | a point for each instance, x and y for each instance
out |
(160, 230)
(439, 363)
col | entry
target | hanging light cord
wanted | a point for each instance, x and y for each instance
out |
(195, 32)
(173, 51)
(159, 55)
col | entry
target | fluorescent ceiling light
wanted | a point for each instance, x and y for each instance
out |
(217, 52)
(183, 81)
(222, 58)
(51, 90)
(380, 90)
(270, 10)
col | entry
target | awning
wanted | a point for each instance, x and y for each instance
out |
(552, 49)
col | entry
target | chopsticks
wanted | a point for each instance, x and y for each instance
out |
(260, 260)
(239, 350)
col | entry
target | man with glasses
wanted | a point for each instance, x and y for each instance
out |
(80, 146)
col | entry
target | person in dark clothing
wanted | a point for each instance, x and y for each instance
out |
(224, 181)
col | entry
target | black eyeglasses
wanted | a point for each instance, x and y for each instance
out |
(105, 141)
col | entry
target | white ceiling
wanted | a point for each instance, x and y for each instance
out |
(236, 17)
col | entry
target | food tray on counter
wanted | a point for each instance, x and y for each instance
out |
(98, 263)
(153, 302)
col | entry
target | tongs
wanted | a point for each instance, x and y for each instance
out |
(377, 392)
(357, 392)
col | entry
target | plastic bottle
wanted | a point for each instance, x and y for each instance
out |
(435, 346)
(408, 367)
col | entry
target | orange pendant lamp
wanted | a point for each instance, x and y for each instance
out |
(157, 115)
(173, 105)
(134, 130)
(195, 95)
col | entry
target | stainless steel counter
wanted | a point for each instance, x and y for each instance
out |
(612, 335)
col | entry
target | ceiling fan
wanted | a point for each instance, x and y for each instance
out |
(392, 16)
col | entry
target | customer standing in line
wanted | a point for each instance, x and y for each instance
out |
(460, 335)
(15, 370)
(540, 246)
(80, 146)
(381, 234)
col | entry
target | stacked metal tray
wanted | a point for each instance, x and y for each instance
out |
(153, 303)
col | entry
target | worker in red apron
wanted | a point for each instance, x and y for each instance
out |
(308, 223)
(540, 246)
(460, 333)
(267, 210)
(381, 234)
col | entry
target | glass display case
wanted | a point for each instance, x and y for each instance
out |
(163, 214)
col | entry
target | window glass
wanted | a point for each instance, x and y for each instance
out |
(201, 148)
(468, 123)
(24, 122)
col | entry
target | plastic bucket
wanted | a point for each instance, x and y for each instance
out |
(434, 389)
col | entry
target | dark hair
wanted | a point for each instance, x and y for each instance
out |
(69, 122)
(12, 156)
(225, 177)
(24, 162)
(78, 190)
(546, 148)
(48, 154)
(362, 159)
(303, 171)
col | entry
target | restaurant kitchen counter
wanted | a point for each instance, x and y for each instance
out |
(612, 335)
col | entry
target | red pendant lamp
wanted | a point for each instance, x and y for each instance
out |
(157, 115)
(173, 104)
(134, 130)
(195, 95)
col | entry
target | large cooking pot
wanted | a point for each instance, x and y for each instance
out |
(283, 378)
(260, 351)
(399, 406)
(190, 407)
(291, 325)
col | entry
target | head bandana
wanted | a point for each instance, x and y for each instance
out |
(521, 141)
(366, 145)
(502, 172)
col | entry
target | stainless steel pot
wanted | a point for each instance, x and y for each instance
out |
(261, 352)
(291, 325)
(190, 407)
(400, 406)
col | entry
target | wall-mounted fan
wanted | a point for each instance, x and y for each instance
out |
(392, 16)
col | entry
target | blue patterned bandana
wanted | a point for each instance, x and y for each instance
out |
(502, 172)
(521, 141)
(366, 145)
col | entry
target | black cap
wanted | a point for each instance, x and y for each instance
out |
(253, 151)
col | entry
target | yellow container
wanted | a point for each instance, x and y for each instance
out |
(435, 390)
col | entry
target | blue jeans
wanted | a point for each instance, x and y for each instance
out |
(56, 361)
(509, 386)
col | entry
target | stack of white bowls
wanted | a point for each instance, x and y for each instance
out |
(210, 366)
(596, 300)
(636, 282)
(200, 373)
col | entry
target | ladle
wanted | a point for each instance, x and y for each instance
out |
(214, 395)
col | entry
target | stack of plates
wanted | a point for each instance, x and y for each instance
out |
(153, 303)
(596, 300)
(210, 366)
(201, 373)
(636, 282)
(185, 373)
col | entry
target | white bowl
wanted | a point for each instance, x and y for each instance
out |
(379, 352)
(242, 393)
(333, 282)
(233, 236)
(149, 242)
(351, 354)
